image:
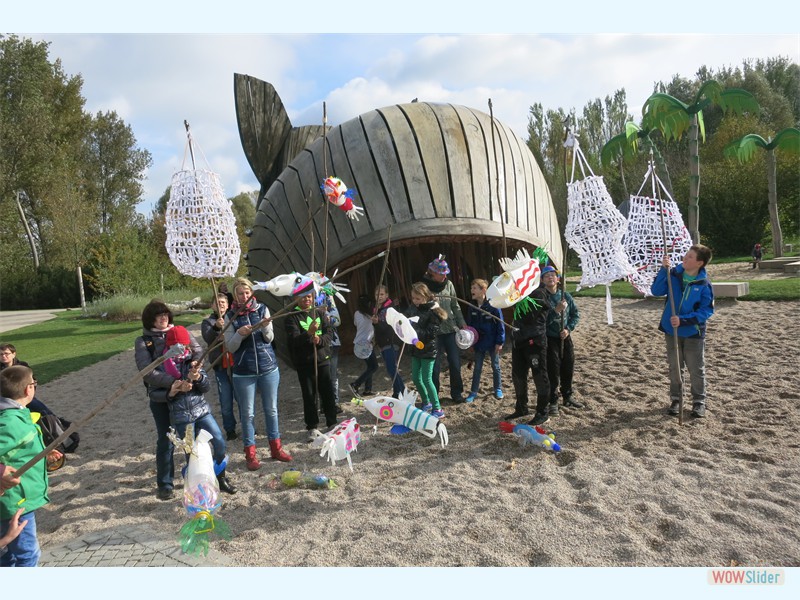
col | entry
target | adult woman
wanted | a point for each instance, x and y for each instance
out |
(255, 367)
(157, 320)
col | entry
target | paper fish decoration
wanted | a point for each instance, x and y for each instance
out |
(337, 194)
(406, 416)
(339, 443)
(519, 278)
(403, 328)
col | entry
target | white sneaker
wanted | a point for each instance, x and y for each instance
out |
(313, 434)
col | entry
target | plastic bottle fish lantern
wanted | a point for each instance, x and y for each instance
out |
(201, 229)
(337, 194)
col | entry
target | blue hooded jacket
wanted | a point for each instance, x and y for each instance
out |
(694, 303)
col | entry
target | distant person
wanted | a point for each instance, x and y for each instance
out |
(694, 305)
(438, 283)
(8, 358)
(561, 322)
(20, 441)
(491, 337)
(431, 316)
(758, 254)
(157, 320)
(211, 330)
(386, 339)
(255, 370)
(364, 346)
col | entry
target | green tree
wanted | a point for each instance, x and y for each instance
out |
(744, 149)
(113, 169)
(674, 118)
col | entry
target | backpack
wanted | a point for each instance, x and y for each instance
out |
(52, 427)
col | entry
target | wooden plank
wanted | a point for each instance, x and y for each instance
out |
(349, 229)
(304, 201)
(457, 157)
(366, 177)
(387, 163)
(411, 169)
(494, 157)
(509, 175)
(287, 213)
(476, 151)
(431, 149)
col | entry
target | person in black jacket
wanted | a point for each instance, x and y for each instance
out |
(431, 315)
(529, 355)
(308, 335)
(222, 360)
(386, 339)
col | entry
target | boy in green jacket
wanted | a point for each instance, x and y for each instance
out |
(20, 440)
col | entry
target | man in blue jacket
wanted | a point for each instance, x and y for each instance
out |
(694, 304)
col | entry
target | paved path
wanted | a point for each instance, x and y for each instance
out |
(14, 319)
(136, 546)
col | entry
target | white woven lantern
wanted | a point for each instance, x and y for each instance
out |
(201, 229)
(644, 238)
(595, 229)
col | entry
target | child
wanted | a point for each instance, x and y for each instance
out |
(422, 360)
(386, 339)
(221, 359)
(758, 254)
(694, 305)
(560, 351)
(187, 405)
(529, 354)
(176, 335)
(308, 335)
(20, 440)
(491, 337)
(363, 344)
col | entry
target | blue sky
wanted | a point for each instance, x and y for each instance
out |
(156, 80)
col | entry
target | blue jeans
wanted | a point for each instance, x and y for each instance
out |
(390, 360)
(366, 376)
(219, 447)
(165, 466)
(447, 343)
(225, 391)
(245, 388)
(23, 551)
(494, 359)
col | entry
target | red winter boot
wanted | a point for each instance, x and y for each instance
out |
(277, 452)
(250, 457)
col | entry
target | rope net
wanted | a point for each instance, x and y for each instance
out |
(644, 241)
(201, 229)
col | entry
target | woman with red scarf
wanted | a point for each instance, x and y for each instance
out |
(255, 368)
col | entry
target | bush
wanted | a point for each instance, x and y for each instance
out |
(49, 287)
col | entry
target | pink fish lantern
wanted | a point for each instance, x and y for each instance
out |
(519, 278)
(337, 194)
(340, 442)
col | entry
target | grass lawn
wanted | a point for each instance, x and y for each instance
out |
(71, 342)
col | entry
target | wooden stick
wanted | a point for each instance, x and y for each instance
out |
(174, 351)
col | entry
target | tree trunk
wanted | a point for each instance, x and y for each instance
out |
(772, 191)
(80, 288)
(694, 182)
(28, 233)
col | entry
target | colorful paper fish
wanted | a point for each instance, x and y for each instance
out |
(406, 416)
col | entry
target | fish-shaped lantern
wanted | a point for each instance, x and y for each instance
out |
(406, 416)
(340, 442)
(337, 194)
(403, 328)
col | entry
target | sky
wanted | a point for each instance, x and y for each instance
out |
(155, 80)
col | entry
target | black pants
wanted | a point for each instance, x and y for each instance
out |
(530, 359)
(560, 367)
(309, 386)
